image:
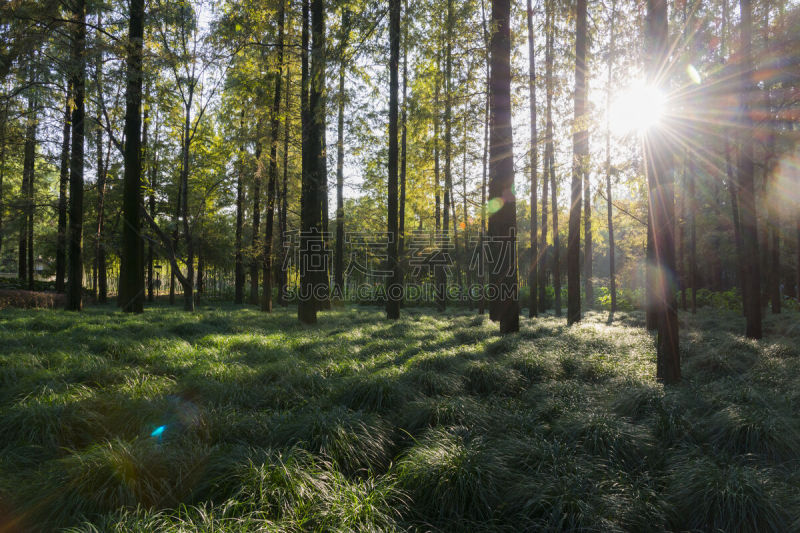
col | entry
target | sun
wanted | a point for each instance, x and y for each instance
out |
(637, 109)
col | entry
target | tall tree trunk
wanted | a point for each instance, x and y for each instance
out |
(339, 252)
(75, 262)
(439, 272)
(550, 174)
(448, 135)
(658, 157)
(99, 241)
(680, 266)
(254, 242)
(580, 142)
(485, 165)
(313, 175)
(238, 275)
(285, 191)
(651, 320)
(749, 224)
(187, 283)
(392, 296)
(612, 279)
(556, 237)
(63, 182)
(266, 298)
(401, 216)
(693, 232)
(502, 222)
(28, 172)
(133, 275)
(3, 123)
(533, 274)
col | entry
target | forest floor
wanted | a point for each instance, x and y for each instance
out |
(232, 420)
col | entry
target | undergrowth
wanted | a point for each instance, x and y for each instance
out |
(232, 420)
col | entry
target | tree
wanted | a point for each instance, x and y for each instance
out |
(339, 252)
(612, 279)
(502, 220)
(746, 170)
(314, 173)
(238, 297)
(132, 277)
(580, 142)
(26, 192)
(392, 301)
(533, 273)
(78, 74)
(658, 159)
(266, 298)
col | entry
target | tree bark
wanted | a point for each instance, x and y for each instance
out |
(749, 223)
(254, 241)
(658, 157)
(133, 279)
(612, 279)
(533, 274)
(238, 275)
(502, 222)
(63, 183)
(75, 262)
(28, 173)
(285, 192)
(339, 252)
(693, 233)
(401, 216)
(485, 165)
(392, 298)
(266, 297)
(313, 176)
(448, 137)
(99, 241)
(580, 142)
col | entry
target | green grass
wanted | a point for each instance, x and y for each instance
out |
(232, 420)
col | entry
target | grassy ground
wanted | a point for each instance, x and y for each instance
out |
(231, 420)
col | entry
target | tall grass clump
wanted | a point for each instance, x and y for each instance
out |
(710, 496)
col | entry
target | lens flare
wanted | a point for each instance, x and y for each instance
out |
(158, 431)
(637, 108)
(694, 75)
(494, 205)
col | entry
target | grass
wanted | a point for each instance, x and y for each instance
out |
(232, 420)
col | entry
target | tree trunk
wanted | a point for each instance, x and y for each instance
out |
(392, 296)
(658, 157)
(266, 298)
(680, 267)
(693, 233)
(448, 137)
(580, 142)
(63, 182)
(254, 246)
(338, 281)
(749, 224)
(99, 242)
(612, 280)
(285, 192)
(313, 175)
(238, 282)
(502, 222)
(651, 320)
(482, 270)
(401, 216)
(28, 172)
(439, 272)
(533, 274)
(133, 279)
(75, 262)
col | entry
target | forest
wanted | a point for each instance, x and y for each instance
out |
(430, 265)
